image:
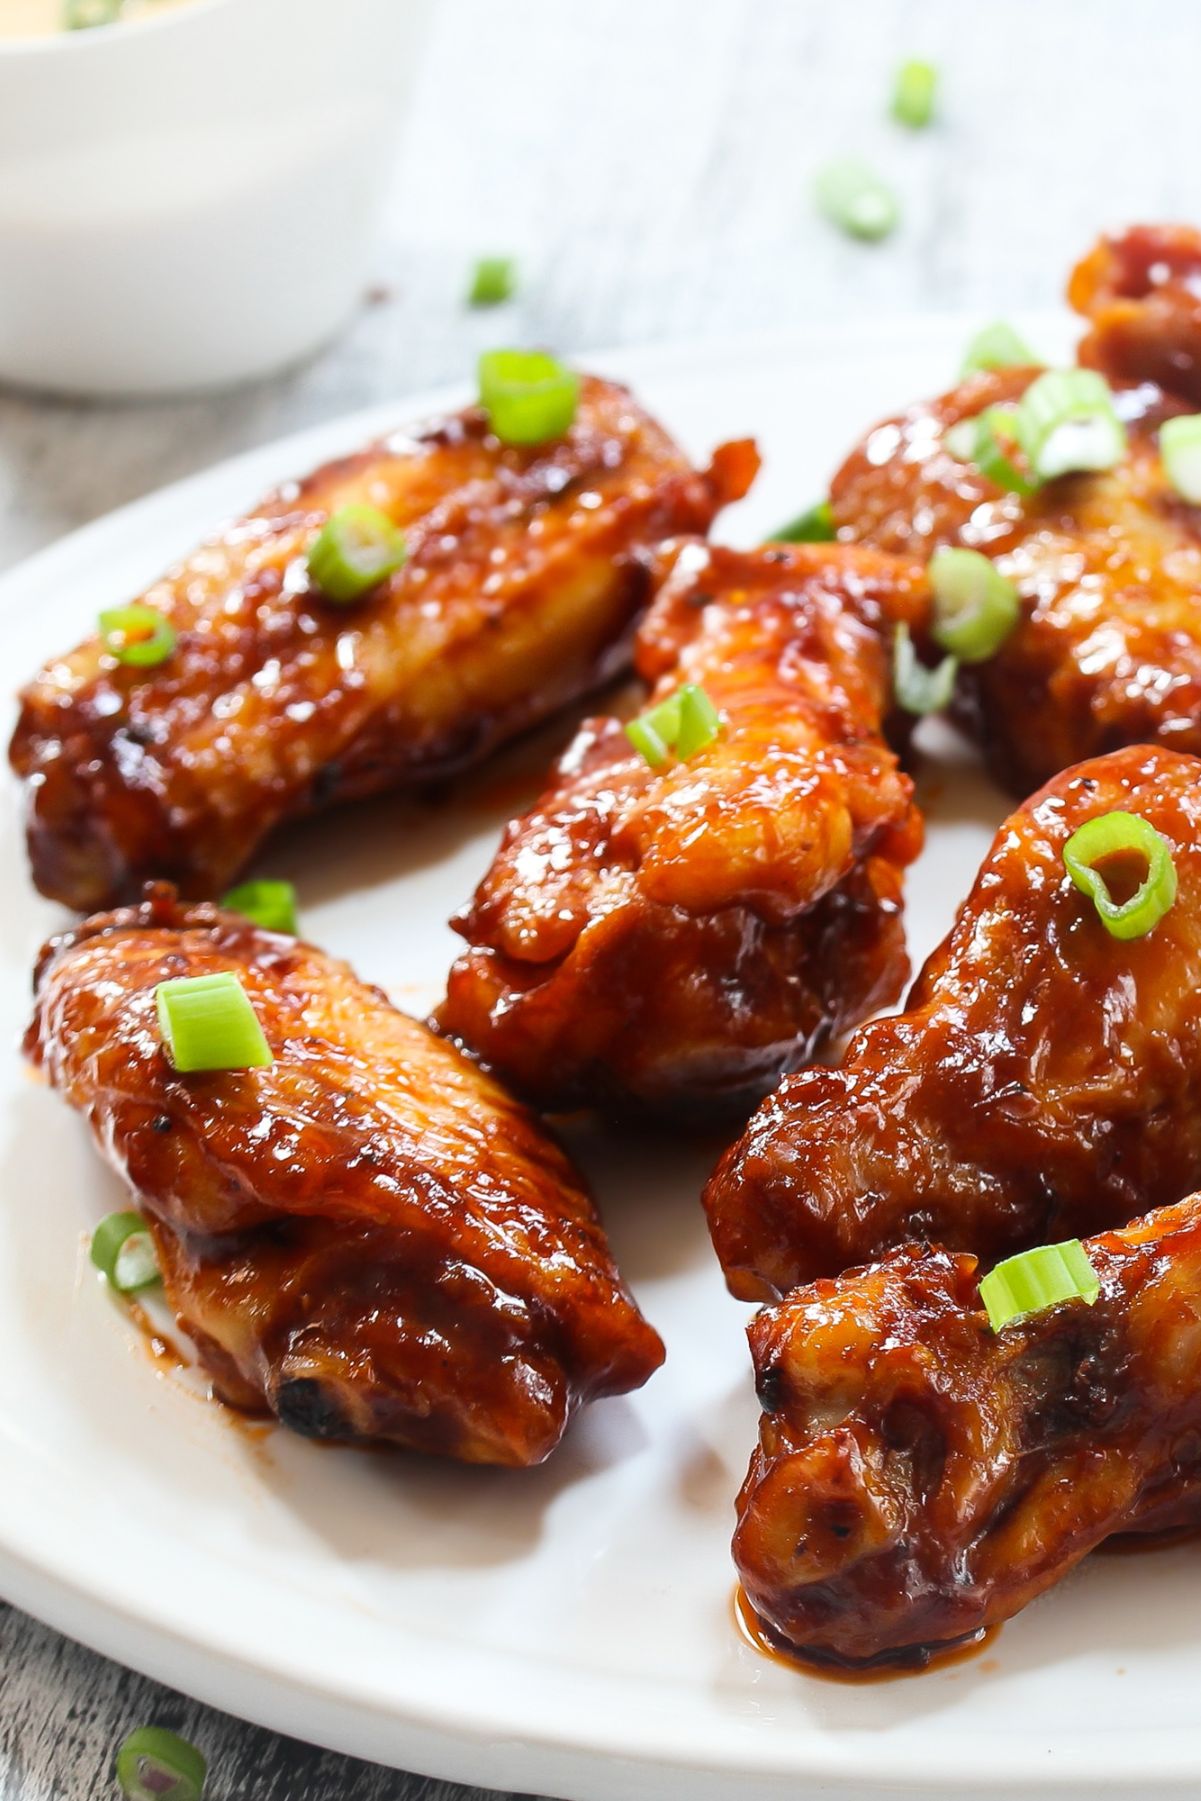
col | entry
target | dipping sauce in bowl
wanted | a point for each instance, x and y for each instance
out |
(42, 18)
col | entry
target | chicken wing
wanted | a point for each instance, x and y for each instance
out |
(677, 937)
(368, 1238)
(1107, 651)
(1043, 1081)
(1141, 294)
(524, 576)
(920, 1476)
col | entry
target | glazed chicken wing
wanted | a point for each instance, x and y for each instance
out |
(676, 937)
(1107, 651)
(525, 573)
(368, 1238)
(920, 1476)
(1043, 1081)
(1141, 293)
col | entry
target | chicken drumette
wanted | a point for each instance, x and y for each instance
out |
(1107, 650)
(677, 936)
(1044, 1079)
(525, 572)
(368, 1237)
(920, 1476)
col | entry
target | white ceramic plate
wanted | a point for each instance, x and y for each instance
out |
(568, 1630)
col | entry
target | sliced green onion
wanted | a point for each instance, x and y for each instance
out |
(996, 346)
(647, 742)
(356, 549)
(156, 1765)
(123, 1251)
(959, 440)
(700, 721)
(207, 1022)
(992, 452)
(918, 689)
(271, 905)
(684, 723)
(492, 280)
(853, 197)
(1122, 835)
(975, 608)
(1180, 448)
(1066, 424)
(913, 93)
(82, 15)
(1035, 1280)
(816, 526)
(137, 635)
(528, 396)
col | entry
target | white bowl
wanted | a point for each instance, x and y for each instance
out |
(188, 200)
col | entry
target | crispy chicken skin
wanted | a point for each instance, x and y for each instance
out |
(676, 938)
(1141, 293)
(1108, 649)
(368, 1238)
(1043, 1081)
(920, 1477)
(524, 576)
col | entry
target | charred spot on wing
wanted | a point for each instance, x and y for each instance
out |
(312, 1409)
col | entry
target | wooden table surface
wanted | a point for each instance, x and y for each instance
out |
(651, 165)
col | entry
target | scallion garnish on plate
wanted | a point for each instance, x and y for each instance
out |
(682, 724)
(208, 1023)
(1180, 451)
(1126, 836)
(156, 1765)
(123, 1251)
(996, 346)
(975, 606)
(529, 397)
(1066, 424)
(814, 526)
(138, 635)
(356, 549)
(853, 197)
(920, 690)
(269, 904)
(1035, 1280)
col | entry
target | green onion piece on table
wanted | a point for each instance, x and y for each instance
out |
(918, 689)
(1035, 1280)
(996, 346)
(207, 1022)
(1128, 836)
(156, 1765)
(975, 607)
(684, 723)
(356, 549)
(1180, 449)
(123, 1251)
(137, 635)
(815, 526)
(853, 197)
(492, 281)
(913, 93)
(529, 397)
(271, 905)
(1066, 424)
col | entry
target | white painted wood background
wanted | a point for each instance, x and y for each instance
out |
(650, 161)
